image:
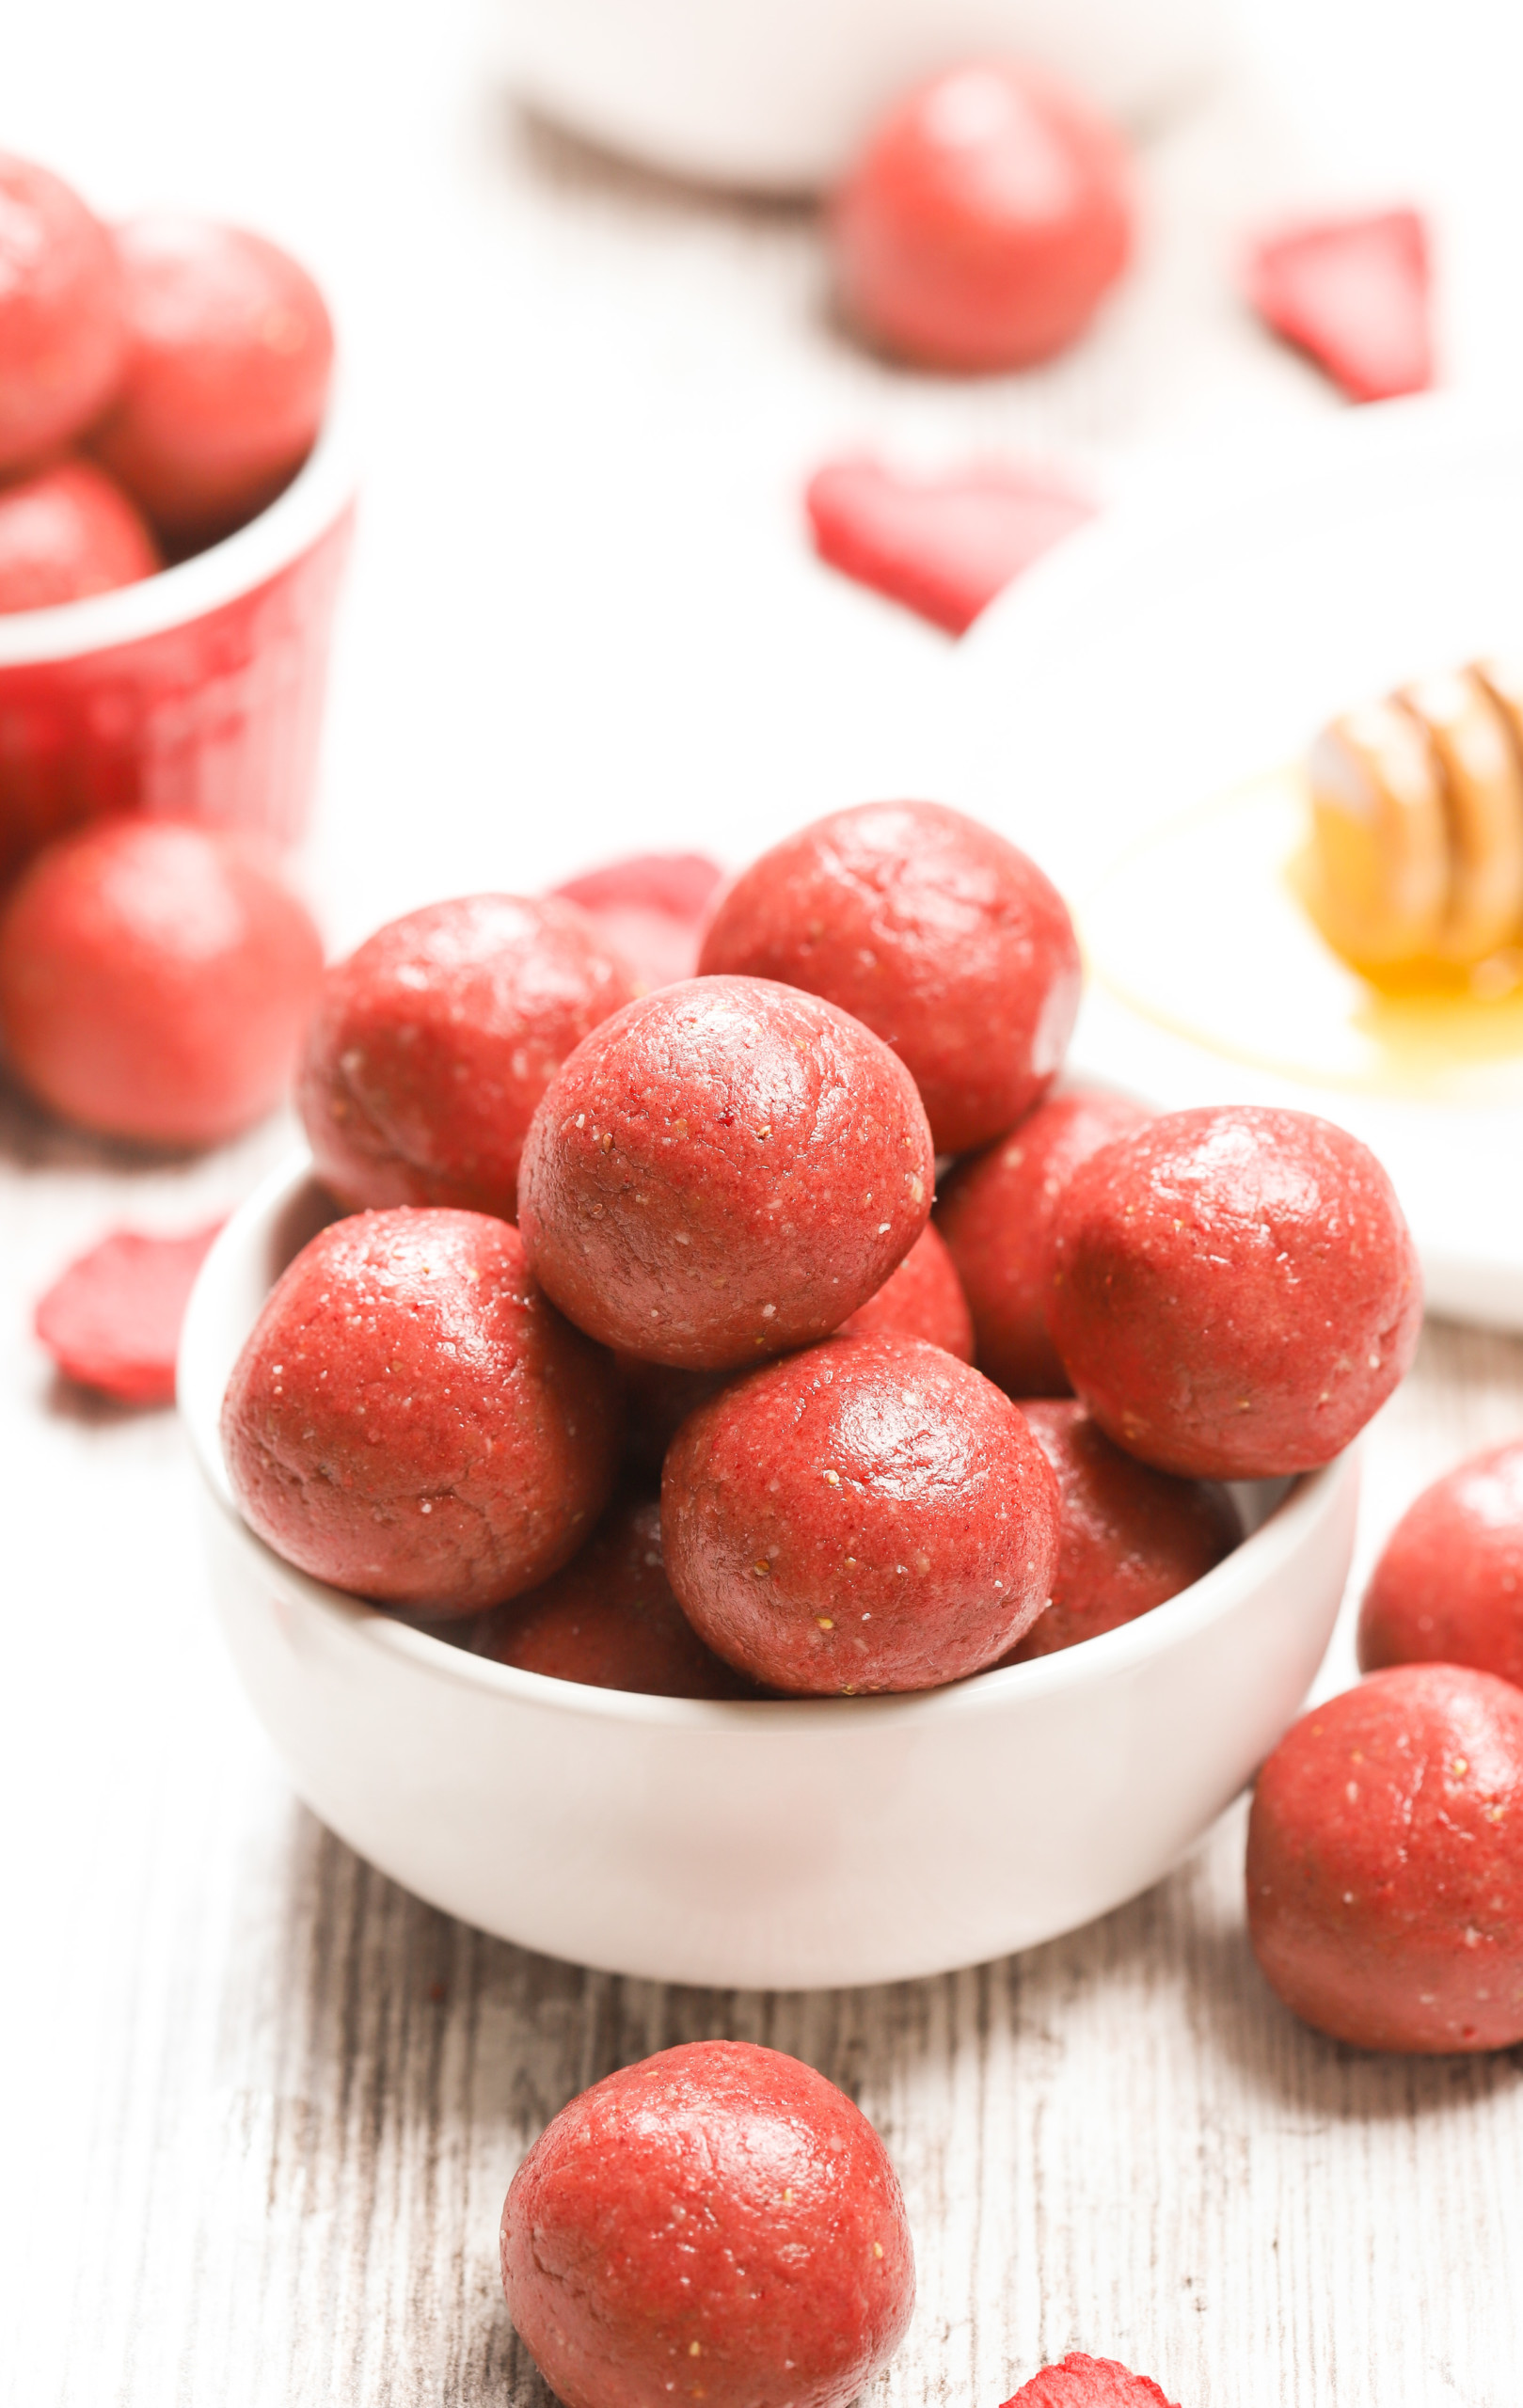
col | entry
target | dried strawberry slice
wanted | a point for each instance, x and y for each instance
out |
(681, 885)
(1353, 292)
(112, 1321)
(942, 545)
(1079, 2382)
(652, 907)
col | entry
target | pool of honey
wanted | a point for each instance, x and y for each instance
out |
(1207, 926)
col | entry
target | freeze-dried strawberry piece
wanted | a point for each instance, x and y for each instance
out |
(652, 907)
(679, 884)
(942, 545)
(1079, 2382)
(112, 1321)
(1353, 292)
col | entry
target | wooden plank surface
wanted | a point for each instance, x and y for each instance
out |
(259, 2107)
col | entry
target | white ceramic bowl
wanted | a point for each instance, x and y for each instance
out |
(776, 95)
(771, 1846)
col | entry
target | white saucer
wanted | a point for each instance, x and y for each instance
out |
(1195, 639)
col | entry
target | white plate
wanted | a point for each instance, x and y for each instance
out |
(1196, 639)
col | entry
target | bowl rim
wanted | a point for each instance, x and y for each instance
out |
(318, 494)
(1305, 1502)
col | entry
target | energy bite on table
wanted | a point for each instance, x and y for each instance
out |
(608, 1619)
(868, 1515)
(433, 1043)
(719, 2222)
(412, 1421)
(995, 1214)
(1449, 1585)
(983, 221)
(722, 1171)
(1129, 1538)
(923, 1298)
(1234, 1291)
(1385, 1879)
(154, 980)
(951, 945)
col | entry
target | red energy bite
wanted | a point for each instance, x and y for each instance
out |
(942, 545)
(610, 1620)
(1080, 2382)
(230, 355)
(651, 909)
(1385, 1874)
(722, 1171)
(935, 932)
(716, 2223)
(62, 325)
(923, 1298)
(995, 1214)
(1129, 1538)
(410, 1420)
(433, 1043)
(984, 220)
(868, 1515)
(67, 532)
(1448, 1586)
(1354, 294)
(111, 1321)
(1234, 1291)
(154, 981)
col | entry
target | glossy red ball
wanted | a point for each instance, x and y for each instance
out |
(154, 981)
(984, 222)
(719, 2222)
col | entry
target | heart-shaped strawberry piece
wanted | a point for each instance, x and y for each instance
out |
(942, 545)
(1079, 2382)
(112, 1320)
(1353, 292)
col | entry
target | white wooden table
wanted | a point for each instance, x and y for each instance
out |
(260, 2106)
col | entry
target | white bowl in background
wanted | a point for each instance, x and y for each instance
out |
(776, 95)
(771, 1846)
